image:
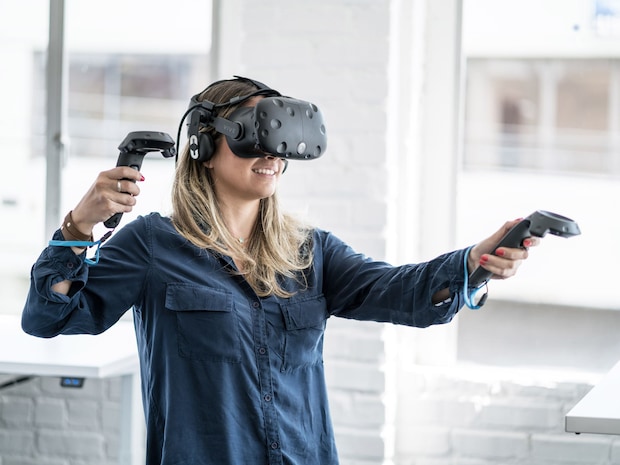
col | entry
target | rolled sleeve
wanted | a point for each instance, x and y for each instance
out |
(58, 264)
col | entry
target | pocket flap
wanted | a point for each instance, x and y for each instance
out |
(187, 297)
(306, 313)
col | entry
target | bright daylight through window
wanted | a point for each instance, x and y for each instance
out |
(136, 79)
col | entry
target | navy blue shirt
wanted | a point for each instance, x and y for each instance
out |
(229, 378)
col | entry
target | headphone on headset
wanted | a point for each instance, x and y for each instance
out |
(279, 126)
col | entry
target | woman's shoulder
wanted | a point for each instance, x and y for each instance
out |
(324, 234)
(325, 239)
(148, 223)
(156, 218)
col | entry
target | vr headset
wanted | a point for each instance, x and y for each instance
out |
(279, 126)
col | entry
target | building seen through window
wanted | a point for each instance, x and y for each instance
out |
(549, 115)
(111, 94)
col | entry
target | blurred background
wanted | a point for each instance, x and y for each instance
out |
(445, 119)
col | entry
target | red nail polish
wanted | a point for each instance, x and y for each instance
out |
(141, 178)
(500, 252)
(527, 242)
(484, 259)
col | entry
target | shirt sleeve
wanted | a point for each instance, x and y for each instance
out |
(100, 294)
(360, 288)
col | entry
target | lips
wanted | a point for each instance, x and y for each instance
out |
(265, 171)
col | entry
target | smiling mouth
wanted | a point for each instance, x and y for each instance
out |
(265, 171)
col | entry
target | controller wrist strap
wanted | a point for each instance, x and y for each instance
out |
(88, 261)
(470, 293)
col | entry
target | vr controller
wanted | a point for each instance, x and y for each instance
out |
(132, 151)
(537, 224)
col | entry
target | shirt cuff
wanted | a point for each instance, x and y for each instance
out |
(64, 260)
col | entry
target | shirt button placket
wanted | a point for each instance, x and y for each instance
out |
(268, 407)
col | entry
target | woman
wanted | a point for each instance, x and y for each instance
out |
(230, 299)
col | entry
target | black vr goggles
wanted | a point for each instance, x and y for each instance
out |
(280, 126)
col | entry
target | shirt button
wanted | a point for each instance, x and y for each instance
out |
(255, 304)
(275, 445)
(267, 398)
(70, 265)
(262, 351)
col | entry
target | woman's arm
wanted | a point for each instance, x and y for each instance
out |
(360, 288)
(94, 297)
(112, 192)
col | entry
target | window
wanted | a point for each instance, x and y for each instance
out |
(543, 134)
(551, 115)
(123, 75)
(112, 94)
(21, 126)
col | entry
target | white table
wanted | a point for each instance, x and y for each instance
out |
(112, 353)
(599, 410)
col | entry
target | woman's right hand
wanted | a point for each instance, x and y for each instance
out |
(112, 192)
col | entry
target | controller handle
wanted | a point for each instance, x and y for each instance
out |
(132, 151)
(537, 224)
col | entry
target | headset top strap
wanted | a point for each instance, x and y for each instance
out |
(259, 85)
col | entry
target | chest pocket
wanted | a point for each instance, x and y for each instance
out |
(207, 325)
(304, 324)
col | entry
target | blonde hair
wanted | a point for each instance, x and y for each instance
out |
(279, 246)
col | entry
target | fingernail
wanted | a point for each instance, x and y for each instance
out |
(141, 178)
(500, 252)
(527, 242)
(484, 259)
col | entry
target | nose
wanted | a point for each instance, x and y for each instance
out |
(269, 157)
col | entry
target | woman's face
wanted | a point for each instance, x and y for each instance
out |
(243, 178)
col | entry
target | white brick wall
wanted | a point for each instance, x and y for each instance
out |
(42, 423)
(336, 54)
(487, 415)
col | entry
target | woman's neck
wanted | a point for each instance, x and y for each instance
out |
(240, 218)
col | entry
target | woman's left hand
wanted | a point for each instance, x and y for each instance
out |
(504, 261)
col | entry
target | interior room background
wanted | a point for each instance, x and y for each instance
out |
(445, 118)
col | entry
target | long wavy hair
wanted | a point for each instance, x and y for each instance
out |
(279, 246)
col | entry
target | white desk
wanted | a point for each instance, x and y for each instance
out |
(112, 353)
(599, 410)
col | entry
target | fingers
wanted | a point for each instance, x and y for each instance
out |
(123, 186)
(531, 242)
(123, 180)
(113, 191)
(504, 263)
(486, 246)
(124, 172)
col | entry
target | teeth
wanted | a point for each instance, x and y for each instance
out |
(265, 171)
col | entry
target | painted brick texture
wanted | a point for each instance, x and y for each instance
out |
(44, 424)
(486, 415)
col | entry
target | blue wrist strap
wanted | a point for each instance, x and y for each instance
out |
(88, 261)
(468, 294)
